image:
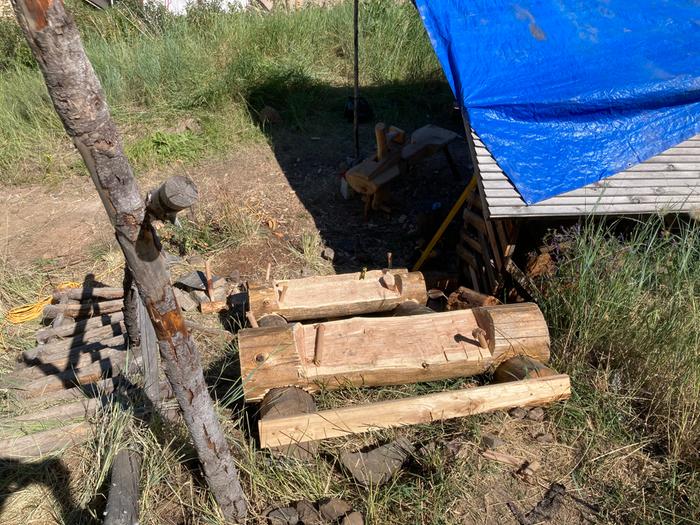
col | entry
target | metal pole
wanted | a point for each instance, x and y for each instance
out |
(356, 88)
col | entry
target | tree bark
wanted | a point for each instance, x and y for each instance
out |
(79, 100)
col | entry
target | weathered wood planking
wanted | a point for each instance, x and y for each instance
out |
(669, 182)
(428, 408)
(389, 350)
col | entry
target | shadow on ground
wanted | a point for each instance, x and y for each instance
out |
(313, 144)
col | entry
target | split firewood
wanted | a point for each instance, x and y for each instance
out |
(83, 309)
(94, 335)
(46, 442)
(213, 307)
(85, 293)
(79, 327)
(464, 298)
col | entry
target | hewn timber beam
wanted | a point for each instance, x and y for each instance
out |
(374, 351)
(282, 431)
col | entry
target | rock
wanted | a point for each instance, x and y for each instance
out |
(328, 254)
(402, 219)
(197, 281)
(518, 413)
(196, 260)
(171, 259)
(306, 272)
(536, 414)
(354, 518)
(219, 294)
(283, 516)
(308, 513)
(545, 437)
(188, 124)
(269, 115)
(378, 465)
(490, 441)
(184, 300)
(334, 508)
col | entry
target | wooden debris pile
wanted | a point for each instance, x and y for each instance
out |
(72, 371)
(283, 361)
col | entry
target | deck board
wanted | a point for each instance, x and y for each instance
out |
(669, 182)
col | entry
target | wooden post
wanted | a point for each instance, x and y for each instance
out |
(123, 502)
(79, 100)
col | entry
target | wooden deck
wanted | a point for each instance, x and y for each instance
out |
(669, 182)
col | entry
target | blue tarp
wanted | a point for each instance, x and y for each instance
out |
(564, 93)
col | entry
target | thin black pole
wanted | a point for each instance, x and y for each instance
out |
(356, 88)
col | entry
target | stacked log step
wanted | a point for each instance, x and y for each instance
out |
(411, 344)
(69, 375)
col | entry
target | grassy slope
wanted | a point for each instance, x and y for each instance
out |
(220, 69)
(623, 312)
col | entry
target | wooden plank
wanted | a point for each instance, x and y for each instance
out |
(614, 183)
(592, 201)
(412, 411)
(46, 442)
(615, 209)
(85, 293)
(336, 295)
(475, 220)
(83, 309)
(389, 350)
(470, 241)
(91, 338)
(629, 191)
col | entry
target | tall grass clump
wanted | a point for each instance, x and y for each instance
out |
(217, 68)
(629, 303)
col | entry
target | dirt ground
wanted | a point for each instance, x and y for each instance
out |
(289, 191)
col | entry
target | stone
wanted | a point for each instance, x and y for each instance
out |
(185, 300)
(354, 518)
(518, 413)
(283, 516)
(334, 508)
(490, 441)
(545, 437)
(379, 465)
(536, 414)
(197, 281)
(308, 513)
(328, 254)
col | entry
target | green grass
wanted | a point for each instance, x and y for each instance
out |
(624, 312)
(219, 69)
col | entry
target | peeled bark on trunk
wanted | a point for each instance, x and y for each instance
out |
(80, 103)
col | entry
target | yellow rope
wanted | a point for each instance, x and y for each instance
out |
(28, 312)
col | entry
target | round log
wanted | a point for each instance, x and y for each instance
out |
(289, 401)
(521, 367)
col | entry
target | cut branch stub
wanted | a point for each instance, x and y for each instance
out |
(174, 195)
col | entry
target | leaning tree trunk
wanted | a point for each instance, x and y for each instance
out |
(80, 103)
